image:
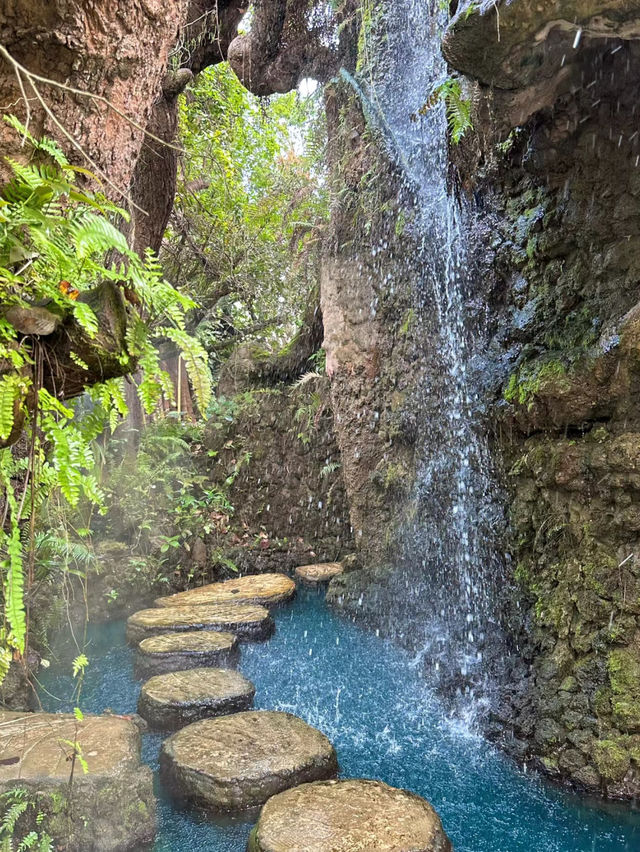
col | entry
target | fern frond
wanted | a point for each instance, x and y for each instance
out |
(197, 363)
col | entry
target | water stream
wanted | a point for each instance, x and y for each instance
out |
(449, 564)
(366, 695)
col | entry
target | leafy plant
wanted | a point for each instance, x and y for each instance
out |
(18, 803)
(458, 107)
(250, 201)
(58, 243)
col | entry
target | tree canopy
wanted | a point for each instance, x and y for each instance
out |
(249, 208)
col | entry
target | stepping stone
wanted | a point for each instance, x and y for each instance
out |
(240, 761)
(174, 652)
(115, 795)
(313, 575)
(247, 622)
(266, 589)
(344, 816)
(171, 701)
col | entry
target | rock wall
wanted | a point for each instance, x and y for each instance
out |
(288, 495)
(118, 51)
(557, 224)
(369, 330)
(549, 179)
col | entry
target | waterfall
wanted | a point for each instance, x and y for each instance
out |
(443, 591)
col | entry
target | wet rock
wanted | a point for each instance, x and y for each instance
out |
(266, 589)
(323, 572)
(247, 622)
(342, 816)
(172, 652)
(240, 761)
(110, 808)
(173, 700)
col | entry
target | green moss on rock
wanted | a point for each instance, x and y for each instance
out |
(624, 675)
(611, 759)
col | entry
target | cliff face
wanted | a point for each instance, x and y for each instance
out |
(559, 194)
(549, 179)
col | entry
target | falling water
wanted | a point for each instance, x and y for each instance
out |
(442, 587)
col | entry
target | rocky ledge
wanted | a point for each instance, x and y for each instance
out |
(108, 808)
(240, 761)
(173, 652)
(173, 700)
(266, 589)
(529, 52)
(342, 816)
(247, 622)
(323, 572)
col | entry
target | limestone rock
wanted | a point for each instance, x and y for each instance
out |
(267, 589)
(323, 572)
(172, 652)
(344, 816)
(173, 700)
(247, 622)
(240, 761)
(111, 808)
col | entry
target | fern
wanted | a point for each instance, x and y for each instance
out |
(8, 396)
(458, 108)
(86, 318)
(197, 363)
(58, 242)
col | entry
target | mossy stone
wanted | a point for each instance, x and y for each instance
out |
(239, 761)
(624, 675)
(172, 652)
(265, 589)
(110, 807)
(344, 816)
(173, 700)
(246, 621)
(321, 572)
(611, 759)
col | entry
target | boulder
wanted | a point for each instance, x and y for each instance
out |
(173, 700)
(343, 816)
(323, 572)
(247, 622)
(266, 589)
(172, 652)
(110, 808)
(240, 761)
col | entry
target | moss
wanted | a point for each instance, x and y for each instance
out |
(252, 843)
(408, 322)
(624, 676)
(524, 385)
(611, 759)
(391, 476)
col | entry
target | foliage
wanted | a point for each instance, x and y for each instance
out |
(458, 108)
(15, 804)
(58, 243)
(307, 414)
(159, 498)
(250, 200)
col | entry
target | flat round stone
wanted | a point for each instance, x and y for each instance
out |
(173, 652)
(114, 795)
(266, 589)
(320, 573)
(173, 700)
(342, 816)
(240, 761)
(247, 622)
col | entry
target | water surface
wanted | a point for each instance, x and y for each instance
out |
(385, 723)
